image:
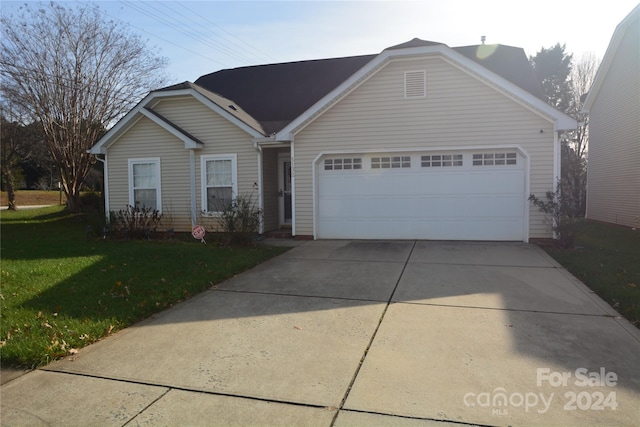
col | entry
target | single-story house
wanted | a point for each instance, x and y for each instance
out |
(420, 141)
(613, 105)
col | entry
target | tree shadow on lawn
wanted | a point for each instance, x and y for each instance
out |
(60, 284)
(132, 280)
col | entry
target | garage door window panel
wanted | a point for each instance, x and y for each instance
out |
(391, 162)
(441, 160)
(351, 163)
(495, 159)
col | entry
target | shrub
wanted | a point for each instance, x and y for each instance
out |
(558, 210)
(240, 220)
(135, 222)
(91, 201)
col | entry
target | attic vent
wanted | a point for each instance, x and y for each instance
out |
(415, 84)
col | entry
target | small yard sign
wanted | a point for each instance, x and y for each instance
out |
(198, 232)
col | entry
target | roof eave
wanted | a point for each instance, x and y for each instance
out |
(286, 133)
(561, 120)
(610, 53)
(121, 127)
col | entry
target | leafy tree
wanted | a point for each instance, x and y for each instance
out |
(76, 73)
(564, 83)
(553, 69)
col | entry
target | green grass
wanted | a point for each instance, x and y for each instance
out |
(61, 290)
(607, 260)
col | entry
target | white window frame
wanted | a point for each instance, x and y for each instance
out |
(147, 160)
(203, 179)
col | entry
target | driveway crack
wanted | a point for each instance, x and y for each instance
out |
(373, 336)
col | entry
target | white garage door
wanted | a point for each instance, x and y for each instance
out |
(470, 195)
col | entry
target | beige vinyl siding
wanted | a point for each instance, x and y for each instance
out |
(613, 181)
(147, 139)
(458, 111)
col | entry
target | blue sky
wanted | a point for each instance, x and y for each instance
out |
(199, 37)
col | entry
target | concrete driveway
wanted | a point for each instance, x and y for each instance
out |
(359, 333)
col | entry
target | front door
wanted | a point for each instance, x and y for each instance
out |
(284, 192)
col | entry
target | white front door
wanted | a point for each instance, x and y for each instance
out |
(284, 189)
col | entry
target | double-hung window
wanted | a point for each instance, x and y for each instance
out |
(219, 182)
(144, 183)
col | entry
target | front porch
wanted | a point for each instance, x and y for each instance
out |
(276, 190)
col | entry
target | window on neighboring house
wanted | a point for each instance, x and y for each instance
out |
(144, 183)
(218, 182)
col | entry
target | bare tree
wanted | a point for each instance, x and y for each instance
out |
(582, 75)
(575, 149)
(76, 73)
(11, 151)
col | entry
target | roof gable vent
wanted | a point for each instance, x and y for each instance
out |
(415, 84)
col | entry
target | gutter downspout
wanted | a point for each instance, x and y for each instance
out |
(106, 186)
(557, 166)
(293, 190)
(258, 148)
(192, 176)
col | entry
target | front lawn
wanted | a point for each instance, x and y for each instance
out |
(62, 290)
(607, 260)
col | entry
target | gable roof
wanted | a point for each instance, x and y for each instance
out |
(277, 98)
(632, 18)
(276, 94)
(144, 108)
(471, 66)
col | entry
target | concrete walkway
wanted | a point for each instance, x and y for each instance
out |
(355, 333)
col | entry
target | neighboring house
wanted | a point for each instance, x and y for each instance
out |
(421, 141)
(613, 105)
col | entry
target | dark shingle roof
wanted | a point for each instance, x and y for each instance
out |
(506, 61)
(276, 94)
(416, 42)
